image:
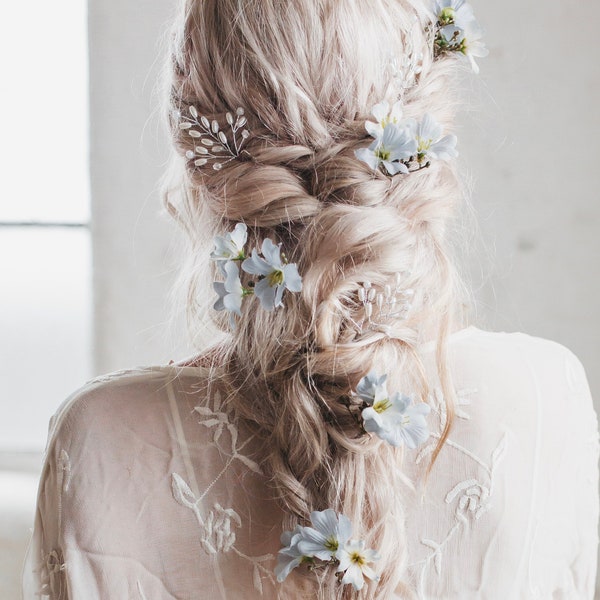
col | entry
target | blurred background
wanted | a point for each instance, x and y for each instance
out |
(88, 257)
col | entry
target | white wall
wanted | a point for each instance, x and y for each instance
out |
(132, 240)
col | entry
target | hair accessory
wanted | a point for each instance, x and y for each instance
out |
(383, 305)
(327, 543)
(405, 70)
(403, 145)
(393, 418)
(457, 30)
(275, 274)
(213, 143)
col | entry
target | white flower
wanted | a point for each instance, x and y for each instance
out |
(354, 559)
(454, 12)
(371, 387)
(327, 537)
(396, 144)
(277, 276)
(431, 143)
(231, 245)
(392, 418)
(473, 45)
(289, 557)
(384, 117)
(468, 41)
(231, 292)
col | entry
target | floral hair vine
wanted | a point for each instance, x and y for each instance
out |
(274, 273)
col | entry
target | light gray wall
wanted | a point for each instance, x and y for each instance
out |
(532, 149)
(133, 242)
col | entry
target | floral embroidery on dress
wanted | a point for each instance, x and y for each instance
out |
(52, 578)
(222, 422)
(470, 497)
(63, 471)
(217, 530)
(218, 525)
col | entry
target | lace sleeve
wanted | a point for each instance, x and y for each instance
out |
(44, 573)
(585, 466)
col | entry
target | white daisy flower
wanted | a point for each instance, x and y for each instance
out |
(289, 557)
(431, 143)
(327, 536)
(231, 245)
(454, 12)
(396, 144)
(231, 292)
(472, 45)
(277, 276)
(384, 116)
(354, 560)
(372, 386)
(395, 420)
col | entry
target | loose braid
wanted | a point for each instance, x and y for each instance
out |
(307, 73)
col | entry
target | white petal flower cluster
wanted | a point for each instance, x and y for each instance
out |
(404, 145)
(395, 418)
(457, 30)
(328, 541)
(275, 275)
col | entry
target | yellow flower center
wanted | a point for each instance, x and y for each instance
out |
(331, 544)
(382, 405)
(275, 278)
(357, 559)
(447, 16)
(424, 145)
(382, 153)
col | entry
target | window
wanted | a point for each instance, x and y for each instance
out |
(45, 250)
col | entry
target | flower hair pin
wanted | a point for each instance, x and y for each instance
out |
(212, 142)
(393, 418)
(404, 145)
(275, 274)
(457, 31)
(327, 543)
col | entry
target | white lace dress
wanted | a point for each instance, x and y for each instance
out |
(151, 492)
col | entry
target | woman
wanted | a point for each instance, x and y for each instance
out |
(348, 437)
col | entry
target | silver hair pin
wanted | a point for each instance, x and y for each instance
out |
(406, 68)
(213, 143)
(383, 305)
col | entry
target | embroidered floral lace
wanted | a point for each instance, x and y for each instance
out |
(150, 490)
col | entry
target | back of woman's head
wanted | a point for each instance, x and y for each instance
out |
(307, 74)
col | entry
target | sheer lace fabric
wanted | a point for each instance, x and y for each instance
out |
(151, 491)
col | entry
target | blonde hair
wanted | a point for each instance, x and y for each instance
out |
(307, 73)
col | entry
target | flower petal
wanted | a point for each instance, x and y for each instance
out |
(292, 279)
(266, 294)
(255, 265)
(326, 521)
(271, 252)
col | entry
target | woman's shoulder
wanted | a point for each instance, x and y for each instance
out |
(112, 399)
(531, 352)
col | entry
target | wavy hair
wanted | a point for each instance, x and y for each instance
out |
(307, 73)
